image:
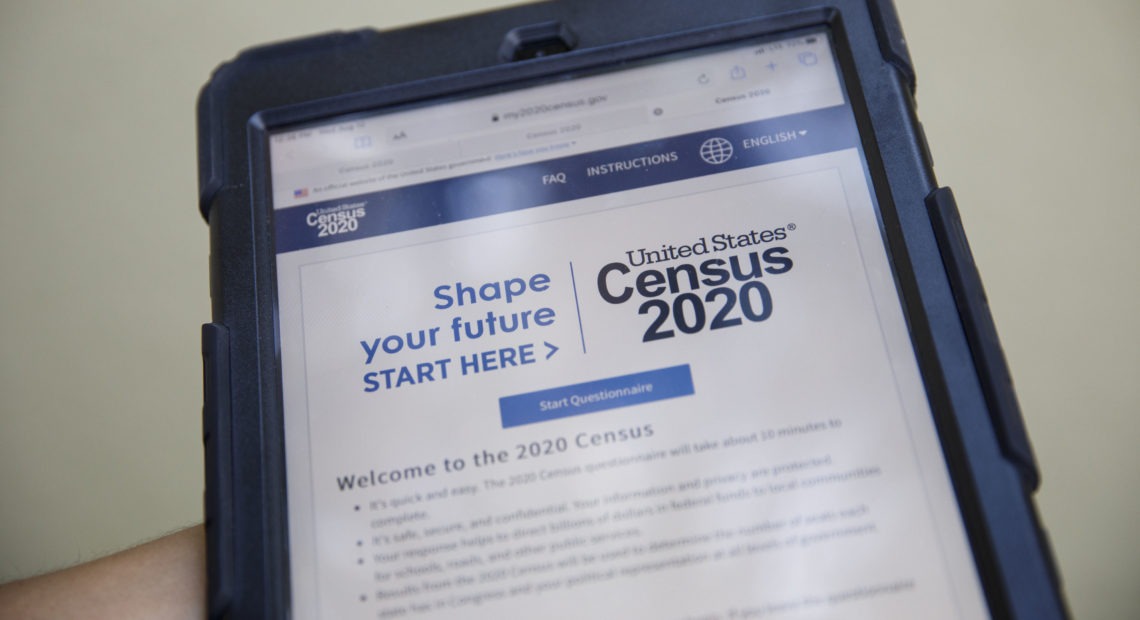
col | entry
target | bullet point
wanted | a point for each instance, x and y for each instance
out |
(360, 543)
(360, 560)
(363, 598)
(356, 508)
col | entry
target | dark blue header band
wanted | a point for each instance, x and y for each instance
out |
(568, 178)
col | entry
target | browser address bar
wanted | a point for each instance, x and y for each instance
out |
(567, 130)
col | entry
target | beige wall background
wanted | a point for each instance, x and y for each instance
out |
(1032, 109)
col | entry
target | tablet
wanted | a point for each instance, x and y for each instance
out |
(619, 324)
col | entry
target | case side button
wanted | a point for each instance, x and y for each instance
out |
(892, 42)
(216, 441)
(536, 41)
(981, 335)
(210, 140)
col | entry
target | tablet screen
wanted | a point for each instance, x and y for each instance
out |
(625, 343)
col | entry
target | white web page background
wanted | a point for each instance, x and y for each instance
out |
(834, 350)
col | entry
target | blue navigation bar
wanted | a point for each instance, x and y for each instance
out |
(593, 396)
(588, 174)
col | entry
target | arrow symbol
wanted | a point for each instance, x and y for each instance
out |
(552, 351)
(803, 132)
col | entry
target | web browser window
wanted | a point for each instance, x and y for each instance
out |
(622, 345)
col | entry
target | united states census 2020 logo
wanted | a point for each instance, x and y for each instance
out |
(716, 151)
(343, 218)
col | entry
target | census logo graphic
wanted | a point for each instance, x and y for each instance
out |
(330, 221)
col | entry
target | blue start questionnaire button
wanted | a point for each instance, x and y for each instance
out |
(600, 395)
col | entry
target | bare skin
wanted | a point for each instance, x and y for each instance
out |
(162, 579)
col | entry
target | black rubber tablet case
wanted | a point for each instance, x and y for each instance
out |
(965, 373)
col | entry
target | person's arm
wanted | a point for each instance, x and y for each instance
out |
(164, 578)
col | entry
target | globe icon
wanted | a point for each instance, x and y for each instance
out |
(716, 151)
